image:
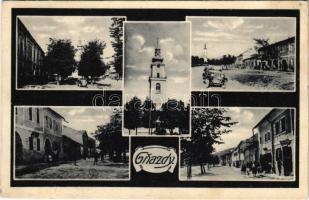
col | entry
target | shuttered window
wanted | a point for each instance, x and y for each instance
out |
(38, 144)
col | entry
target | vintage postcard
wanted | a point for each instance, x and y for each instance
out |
(154, 99)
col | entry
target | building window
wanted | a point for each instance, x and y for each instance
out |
(158, 75)
(278, 154)
(30, 113)
(283, 124)
(158, 65)
(30, 143)
(277, 128)
(37, 116)
(158, 88)
(267, 136)
(38, 144)
(46, 121)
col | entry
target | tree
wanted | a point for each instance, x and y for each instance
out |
(260, 42)
(133, 114)
(116, 32)
(197, 61)
(110, 137)
(172, 115)
(207, 127)
(90, 63)
(60, 58)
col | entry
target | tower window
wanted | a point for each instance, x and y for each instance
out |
(158, 88)
(158, 65)
(158, 75)
(37, 115)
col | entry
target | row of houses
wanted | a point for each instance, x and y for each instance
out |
(272, 145)
(279, 56)
(40, 136)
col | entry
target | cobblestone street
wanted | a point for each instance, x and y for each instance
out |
(85, 169)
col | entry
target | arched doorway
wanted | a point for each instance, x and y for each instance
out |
(18, 149)
(287, 161)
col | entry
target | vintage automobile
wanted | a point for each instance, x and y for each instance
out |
(213, 77)
(82, 82)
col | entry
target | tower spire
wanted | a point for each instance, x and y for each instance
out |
(157, 43)
(157, 49)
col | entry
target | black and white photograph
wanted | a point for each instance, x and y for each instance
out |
(69, 52)
(239, 144)
(243, 53)
(75, 143)
(157, 78)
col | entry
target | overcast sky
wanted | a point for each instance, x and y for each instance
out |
(174, 40)
(85, 118)
(247, 118)
(234, 35)
(75, 28)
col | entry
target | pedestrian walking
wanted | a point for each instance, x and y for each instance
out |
(74, 158)
(279, 165)
(95, 156)
(248, 169)
(243, 169)
(254, 169)
(188, 163)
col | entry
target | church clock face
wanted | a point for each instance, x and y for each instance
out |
(157, 79)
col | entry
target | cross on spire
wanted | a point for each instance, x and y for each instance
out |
(157, 43)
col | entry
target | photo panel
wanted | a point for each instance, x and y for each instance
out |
(157, 79)
(137, 103)
(240, 144)
(254, 54)
(69, 52)
(54, 143)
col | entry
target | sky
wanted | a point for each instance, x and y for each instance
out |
(174, 41)
(75, 28)
(247, 118)
(85, 118)
(234, 35)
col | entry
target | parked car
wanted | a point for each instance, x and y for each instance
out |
(82, 82)
(213, 77)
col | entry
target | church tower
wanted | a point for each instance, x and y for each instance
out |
(157, 79)
(205, 53)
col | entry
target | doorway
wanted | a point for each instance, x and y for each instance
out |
(18, 149)
(287, 161)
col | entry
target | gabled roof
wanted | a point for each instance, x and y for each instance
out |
(55, 113)
(73, 134)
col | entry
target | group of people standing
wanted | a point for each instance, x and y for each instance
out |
(251, 167)
(255, 168)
